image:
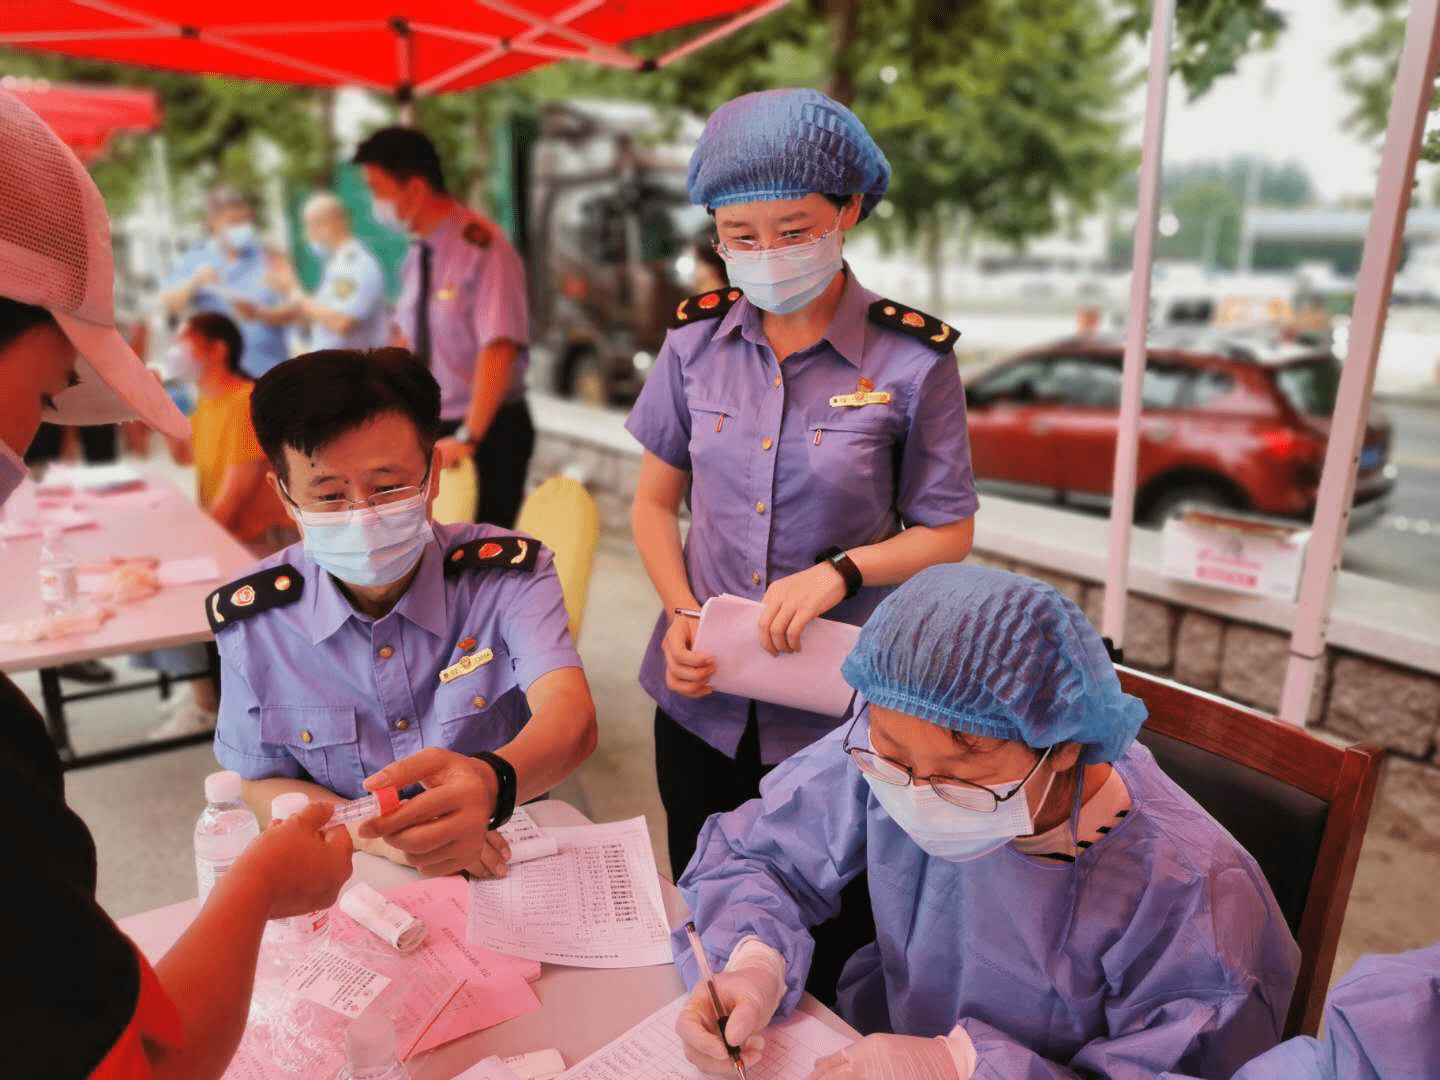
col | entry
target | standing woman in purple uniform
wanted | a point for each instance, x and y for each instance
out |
(818, 428)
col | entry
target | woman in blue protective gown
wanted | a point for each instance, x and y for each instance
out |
(1048, 904)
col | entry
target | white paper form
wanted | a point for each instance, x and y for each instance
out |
(809, 679)
(595, 904)
(651, 1051)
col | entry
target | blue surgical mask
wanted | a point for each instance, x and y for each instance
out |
(956, 833)
(384, 213)
(320, 251)
(240, 236)
(13, 472)
(782, 280)
(370, 546)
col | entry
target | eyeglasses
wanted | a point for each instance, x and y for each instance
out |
(792, 243)
(953, 790)
(339, 504)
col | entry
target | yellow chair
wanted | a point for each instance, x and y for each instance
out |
(459, 494)
(561, 514)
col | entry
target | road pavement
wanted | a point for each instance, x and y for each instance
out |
(1404, 546)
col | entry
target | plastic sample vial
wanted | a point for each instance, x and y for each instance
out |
(295, 928)
(376, 804)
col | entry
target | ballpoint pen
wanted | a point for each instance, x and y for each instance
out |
(720, 1014)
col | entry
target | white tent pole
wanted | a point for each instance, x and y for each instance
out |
(1122, 505)
(1414, 90)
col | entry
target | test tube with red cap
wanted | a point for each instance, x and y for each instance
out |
(376, 804)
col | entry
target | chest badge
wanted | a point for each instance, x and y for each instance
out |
(466, 644)
(446, 292)
(466, 664)
(865, 394)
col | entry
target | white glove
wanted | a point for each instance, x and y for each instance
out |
(889, 1057)
(750, 989)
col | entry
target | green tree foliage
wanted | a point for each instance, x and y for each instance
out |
(1206, 198)
(1368, 69)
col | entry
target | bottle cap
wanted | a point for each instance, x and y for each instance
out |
(288, 804)
(370, 1041)
(222, 787)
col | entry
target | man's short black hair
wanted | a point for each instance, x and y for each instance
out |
(403, 152)
(17, 318)
(213, 326)
(310, 401)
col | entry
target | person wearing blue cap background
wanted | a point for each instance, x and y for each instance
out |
(818, 429)
(1048, 904)
(1382, 1022)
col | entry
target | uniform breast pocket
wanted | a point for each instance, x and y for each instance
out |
(854, 454)
(324, 739)
(477, 711)
(713, 430)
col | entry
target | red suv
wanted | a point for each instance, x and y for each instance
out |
(1227, 421)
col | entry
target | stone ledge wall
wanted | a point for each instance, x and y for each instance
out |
(1359, 698)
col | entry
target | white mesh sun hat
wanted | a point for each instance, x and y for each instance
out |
(55, 253)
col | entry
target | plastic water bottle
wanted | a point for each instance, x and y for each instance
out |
(296, 929)
(57, 572)
(370, 1049)
(223, 831)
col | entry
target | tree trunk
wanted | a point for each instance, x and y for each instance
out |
(843, 17)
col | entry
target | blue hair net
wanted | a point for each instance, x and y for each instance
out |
(785, 144)
(991, 653)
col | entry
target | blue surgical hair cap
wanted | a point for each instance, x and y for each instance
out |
(785, 144)
(991, 653)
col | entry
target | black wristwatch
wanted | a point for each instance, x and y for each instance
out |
(842, 562)
(505, 796)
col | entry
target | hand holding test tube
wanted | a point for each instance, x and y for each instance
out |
(376, 804)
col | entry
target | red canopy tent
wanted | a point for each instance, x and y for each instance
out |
(85, 117)
(402, 46)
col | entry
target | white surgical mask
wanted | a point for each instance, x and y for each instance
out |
(369, 546)
(181, 362)
(13, 472)
(782, 280)
(240, 236)
(384, 213)
(320, 251)
(956, 833)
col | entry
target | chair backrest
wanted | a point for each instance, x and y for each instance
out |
(459, 492)
(561, 514)
(1298, 804)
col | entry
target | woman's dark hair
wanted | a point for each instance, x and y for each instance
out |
(17, 318)
(310, 401)
(402, 153)
(213, 326)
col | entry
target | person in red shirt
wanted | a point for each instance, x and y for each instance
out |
(81, 1001)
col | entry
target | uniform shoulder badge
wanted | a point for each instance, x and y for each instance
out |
(493, 552)
(269, 589)
(923, 328)
(705, 305)
(478, 234)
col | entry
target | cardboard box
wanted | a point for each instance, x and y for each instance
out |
(1235, 553)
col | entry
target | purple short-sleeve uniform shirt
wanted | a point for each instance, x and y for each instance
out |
(477, 297)
(779, 475)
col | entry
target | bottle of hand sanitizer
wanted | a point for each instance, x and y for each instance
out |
(370, 1049)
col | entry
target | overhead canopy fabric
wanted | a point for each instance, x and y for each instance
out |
(85, 117)
(399, 46)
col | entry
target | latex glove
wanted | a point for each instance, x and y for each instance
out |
(889, 1057)
(750, 993)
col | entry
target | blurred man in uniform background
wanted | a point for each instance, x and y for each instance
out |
(232, 270)
(462, 312)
